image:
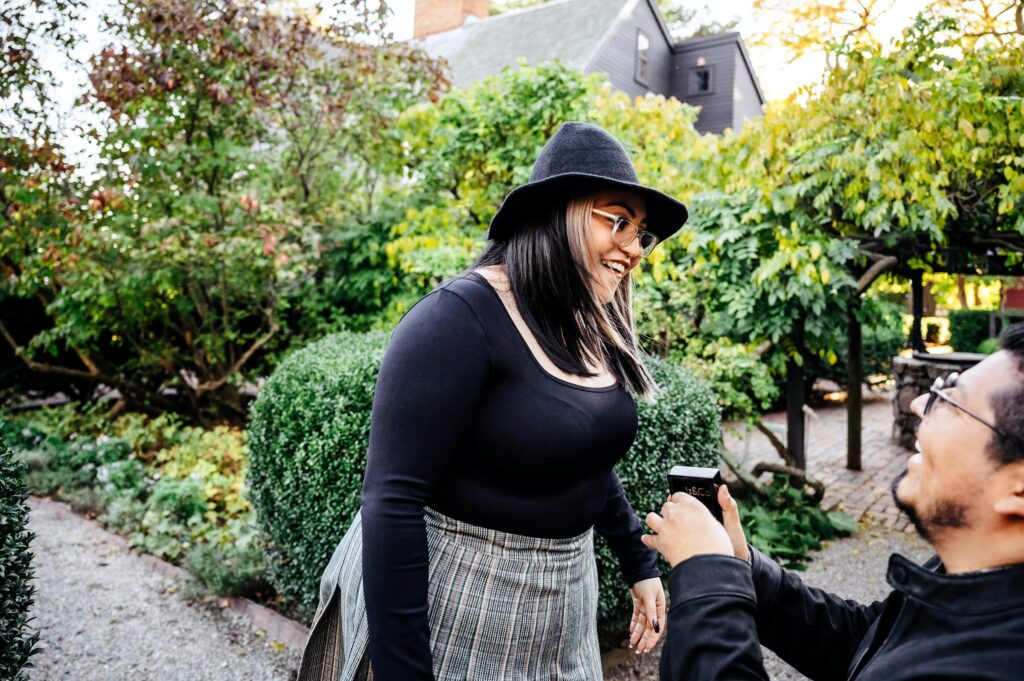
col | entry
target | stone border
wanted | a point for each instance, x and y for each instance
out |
(275, 626)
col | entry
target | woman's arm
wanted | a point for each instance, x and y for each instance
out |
(428, 388)
(621, 528)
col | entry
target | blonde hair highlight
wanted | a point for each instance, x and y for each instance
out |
(612, 330)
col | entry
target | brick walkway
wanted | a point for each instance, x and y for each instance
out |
(865, 494)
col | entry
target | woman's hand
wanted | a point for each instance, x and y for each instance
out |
(686, 528)
(648, 614)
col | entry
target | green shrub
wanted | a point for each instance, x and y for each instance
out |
(968, 329)
(680, 428)
(308, 437)
(988, 346)
(308, 440)
(182, 500)
(17, 642)
(785, 526)
(230, 562)
(123, 514)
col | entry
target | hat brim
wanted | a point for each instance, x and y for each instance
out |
(665, 215)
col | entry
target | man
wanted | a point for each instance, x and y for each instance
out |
(959, 616)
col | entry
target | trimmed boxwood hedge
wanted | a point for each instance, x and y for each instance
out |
(968, 329)
(17, 642)
(309, 433)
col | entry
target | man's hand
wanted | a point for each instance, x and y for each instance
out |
(686, 528)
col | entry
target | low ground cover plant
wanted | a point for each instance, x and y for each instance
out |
(176, 491)
(785, 525)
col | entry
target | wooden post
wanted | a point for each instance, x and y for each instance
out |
(795, 414)
(854, 380)
(917, 308)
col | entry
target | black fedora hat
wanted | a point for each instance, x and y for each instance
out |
(581, 155)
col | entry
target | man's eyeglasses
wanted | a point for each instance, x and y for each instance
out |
(936, 393)
(625, 232)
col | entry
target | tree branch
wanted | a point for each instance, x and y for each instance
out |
(207, 386)
(882, 265)
(48, 368)
(737, 468)
(777, 444)
(816, 485)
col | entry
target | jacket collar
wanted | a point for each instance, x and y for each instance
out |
(970, 593)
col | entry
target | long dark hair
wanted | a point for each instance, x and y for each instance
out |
(546, 261)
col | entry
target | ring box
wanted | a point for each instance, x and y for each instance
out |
(700, 483)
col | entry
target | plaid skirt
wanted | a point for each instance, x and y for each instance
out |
(531, 613)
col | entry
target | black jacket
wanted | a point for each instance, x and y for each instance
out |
(933, 626)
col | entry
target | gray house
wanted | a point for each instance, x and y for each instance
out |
(625, 39)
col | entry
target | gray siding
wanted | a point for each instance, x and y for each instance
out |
(745, 97)
(716, 113)
(616, 53)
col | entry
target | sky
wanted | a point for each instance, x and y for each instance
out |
(778, 78)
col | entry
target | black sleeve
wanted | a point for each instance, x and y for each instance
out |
(621, 528)
(712, 635)
(429, 385)
(814, 631)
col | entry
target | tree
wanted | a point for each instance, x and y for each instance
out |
(908, 160)
(800, 27)
(981, 20)
(36, 194)
(686, 20)
(803, 26)
(236, 136)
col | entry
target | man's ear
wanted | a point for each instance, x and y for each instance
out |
(1011, 501)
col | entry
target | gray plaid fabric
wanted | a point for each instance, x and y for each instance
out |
(501, 606)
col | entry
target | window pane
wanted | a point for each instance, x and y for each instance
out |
(703, 81)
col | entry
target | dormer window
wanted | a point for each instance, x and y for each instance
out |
(702, 80)
(643, 57)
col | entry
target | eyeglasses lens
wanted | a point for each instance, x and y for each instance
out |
(625, 232)
(938, 386)
(647, 243)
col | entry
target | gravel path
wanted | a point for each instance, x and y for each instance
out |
(104, 614)
(853, 568)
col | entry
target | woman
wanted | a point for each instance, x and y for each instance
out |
(502, 404)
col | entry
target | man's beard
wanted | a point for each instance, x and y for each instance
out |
(946, 514)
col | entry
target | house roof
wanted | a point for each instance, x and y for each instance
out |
(567, 30)
(718, 39)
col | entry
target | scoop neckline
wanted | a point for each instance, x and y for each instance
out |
(526, 346)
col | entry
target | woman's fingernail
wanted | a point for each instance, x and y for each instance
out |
(657, 629)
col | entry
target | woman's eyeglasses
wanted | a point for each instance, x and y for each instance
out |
(625, 232)
(936, 393)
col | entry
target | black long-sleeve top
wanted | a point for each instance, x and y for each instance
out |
(465, 420)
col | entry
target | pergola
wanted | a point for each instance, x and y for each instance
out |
(965, 250)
